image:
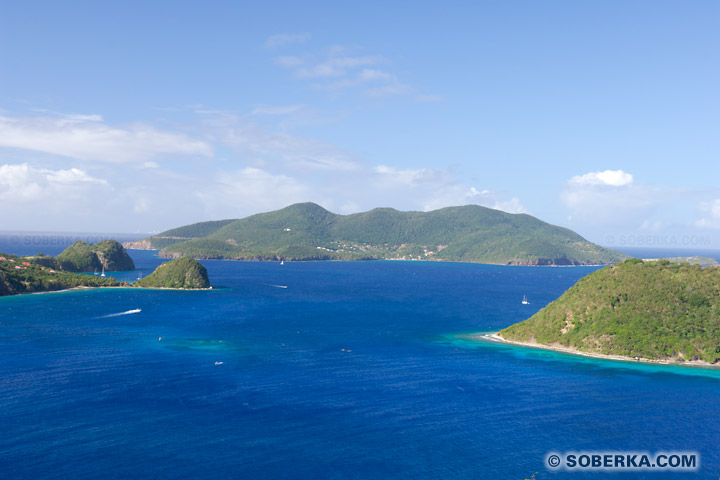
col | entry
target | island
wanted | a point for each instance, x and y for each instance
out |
(181, 273)
(31, 275)
(107, 255)
(43, 273)
(655, 311)
(307, 231)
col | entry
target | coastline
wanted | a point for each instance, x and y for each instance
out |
(429, 260)
(495, 337)
(133, 287)
(83, 287)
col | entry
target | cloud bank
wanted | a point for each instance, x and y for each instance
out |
(88, 138)
(247, 168)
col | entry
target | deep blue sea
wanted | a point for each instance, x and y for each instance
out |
(331, 370)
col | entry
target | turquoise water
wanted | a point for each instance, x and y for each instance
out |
(355, 370)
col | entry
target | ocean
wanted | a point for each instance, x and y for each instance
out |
(329, 370)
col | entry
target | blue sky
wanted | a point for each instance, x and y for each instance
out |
(140, 116)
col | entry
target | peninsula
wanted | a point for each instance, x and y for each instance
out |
(654, 311)
(31, 275)
(42, 273)
(306, 231)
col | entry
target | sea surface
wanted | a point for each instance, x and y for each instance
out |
(329, 370)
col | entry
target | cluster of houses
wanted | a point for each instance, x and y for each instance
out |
(24, 265)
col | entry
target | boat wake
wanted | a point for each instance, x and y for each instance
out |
(276, 286)
(129, 312)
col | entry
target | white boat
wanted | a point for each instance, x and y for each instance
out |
(282, 262)
(525, 301)
(103, 272)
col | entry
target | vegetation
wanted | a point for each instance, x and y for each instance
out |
(180, 234)
(653, 310)
(43, 273)
(30, 274)
(307, 231)
(83, 257)
(184, 273)
(696, 260)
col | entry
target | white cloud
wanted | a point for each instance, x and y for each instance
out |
(614, 209)
(284, 39)
(78, 118)
(251, 190)
(22, 183)
(141, 205)
(431, 189)
(712, 218)
(413, 176)
(612, 205)
(260, 170)
(652, 226)
(261, 146)
(614, 178)
(510, 206)
(611, 202)
(87, 138)
(337, 69)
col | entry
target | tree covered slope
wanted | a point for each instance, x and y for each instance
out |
(653, 310)
(307, 231)
(182, 273)
(83, 257)
(31, 274)
(177, 235)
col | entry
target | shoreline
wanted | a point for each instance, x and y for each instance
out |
(495, 337)
(429, 260)
(129, 287)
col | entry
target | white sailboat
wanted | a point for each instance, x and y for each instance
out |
(103, 272)
(525, 300)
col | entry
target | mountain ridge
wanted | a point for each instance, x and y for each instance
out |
(307, 231)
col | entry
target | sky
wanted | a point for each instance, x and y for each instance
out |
(135, 116)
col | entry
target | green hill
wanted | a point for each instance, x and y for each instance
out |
(177, 235)
(83, 257)
(652, 310)
(31, 274)
(306, 231)
(182, 273)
